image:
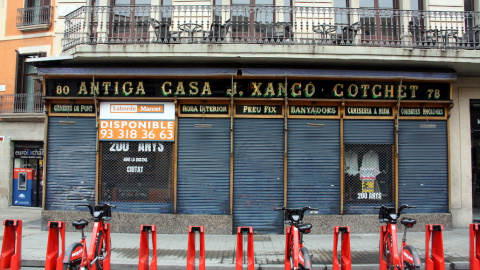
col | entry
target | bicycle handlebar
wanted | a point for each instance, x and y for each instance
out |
(387, 213)
(292, 209)
(93, 210)
(295, 215)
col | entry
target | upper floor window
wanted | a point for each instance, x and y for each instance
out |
(130, 18)
(28, 87)
(36, 15)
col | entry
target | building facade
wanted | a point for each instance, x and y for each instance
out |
(26, 33)
(216, 113)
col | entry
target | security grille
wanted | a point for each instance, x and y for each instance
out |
(137, 172)
(369, 174)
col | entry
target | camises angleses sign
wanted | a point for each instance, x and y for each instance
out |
(140, 121)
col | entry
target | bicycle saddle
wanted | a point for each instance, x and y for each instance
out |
(408, 222)
(80, 224)
(304, 228)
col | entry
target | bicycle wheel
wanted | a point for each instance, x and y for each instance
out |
(69, 266)
(74, 255)
(306, 264)
(411, 259)
(100, 252)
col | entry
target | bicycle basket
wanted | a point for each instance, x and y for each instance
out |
(387, 214)
(108, 213)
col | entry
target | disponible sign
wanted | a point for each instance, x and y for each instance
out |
(120, 121)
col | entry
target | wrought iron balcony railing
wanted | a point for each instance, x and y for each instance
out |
(272, 25)
(34, 18)
(21, 103)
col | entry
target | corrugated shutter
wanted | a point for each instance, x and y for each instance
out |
(258, 174)
(314, 165)
(203, 167)
(423, 166)
(367, 132)
(70, 163)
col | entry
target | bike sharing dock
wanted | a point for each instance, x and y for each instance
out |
(197, 249)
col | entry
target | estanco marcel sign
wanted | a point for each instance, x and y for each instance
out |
(306, 89)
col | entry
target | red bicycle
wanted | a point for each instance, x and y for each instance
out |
(296, 254)
(98, 255)
(390, 258)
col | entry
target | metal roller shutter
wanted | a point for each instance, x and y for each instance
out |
(423, 166)
(71, 157)
(364, 135)
(314, 165)
(203, 185)
(258, 174)
(368, 131)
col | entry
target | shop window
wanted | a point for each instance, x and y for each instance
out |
(137, 172)
(369, 174)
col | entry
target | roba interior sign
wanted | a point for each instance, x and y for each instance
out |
(140, 121)
(324, 89)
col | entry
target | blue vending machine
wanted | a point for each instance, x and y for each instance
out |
(24, 187)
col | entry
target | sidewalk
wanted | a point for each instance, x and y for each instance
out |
(220, 249)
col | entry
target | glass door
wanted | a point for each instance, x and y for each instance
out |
(250, 19)
(130, 20)
(379, 24)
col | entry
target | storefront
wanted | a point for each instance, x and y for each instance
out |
(238, 143)
(27, 174)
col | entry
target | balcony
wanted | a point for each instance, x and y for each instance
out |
(34, 18)
(21, 103)
(314, 26)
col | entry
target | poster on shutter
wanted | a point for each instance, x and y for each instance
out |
(368, 177)
(139, 121)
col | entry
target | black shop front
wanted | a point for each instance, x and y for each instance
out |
(241, 142)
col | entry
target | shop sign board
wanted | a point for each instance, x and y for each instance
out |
(422, 111)
(137, 121)
(313, 110)
(259, 109)
(204, 109)
(28, 152)
(305, 89)
(72, 108)
(368, 111)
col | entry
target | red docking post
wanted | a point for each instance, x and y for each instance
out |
(250, 252)
(435, 261)
(11, 257)
(144, 253)
(346, 254)
(475, 246)
(191, 248)
(53, 259)
(383, 262)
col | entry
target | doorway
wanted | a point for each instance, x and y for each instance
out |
(475, 138)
